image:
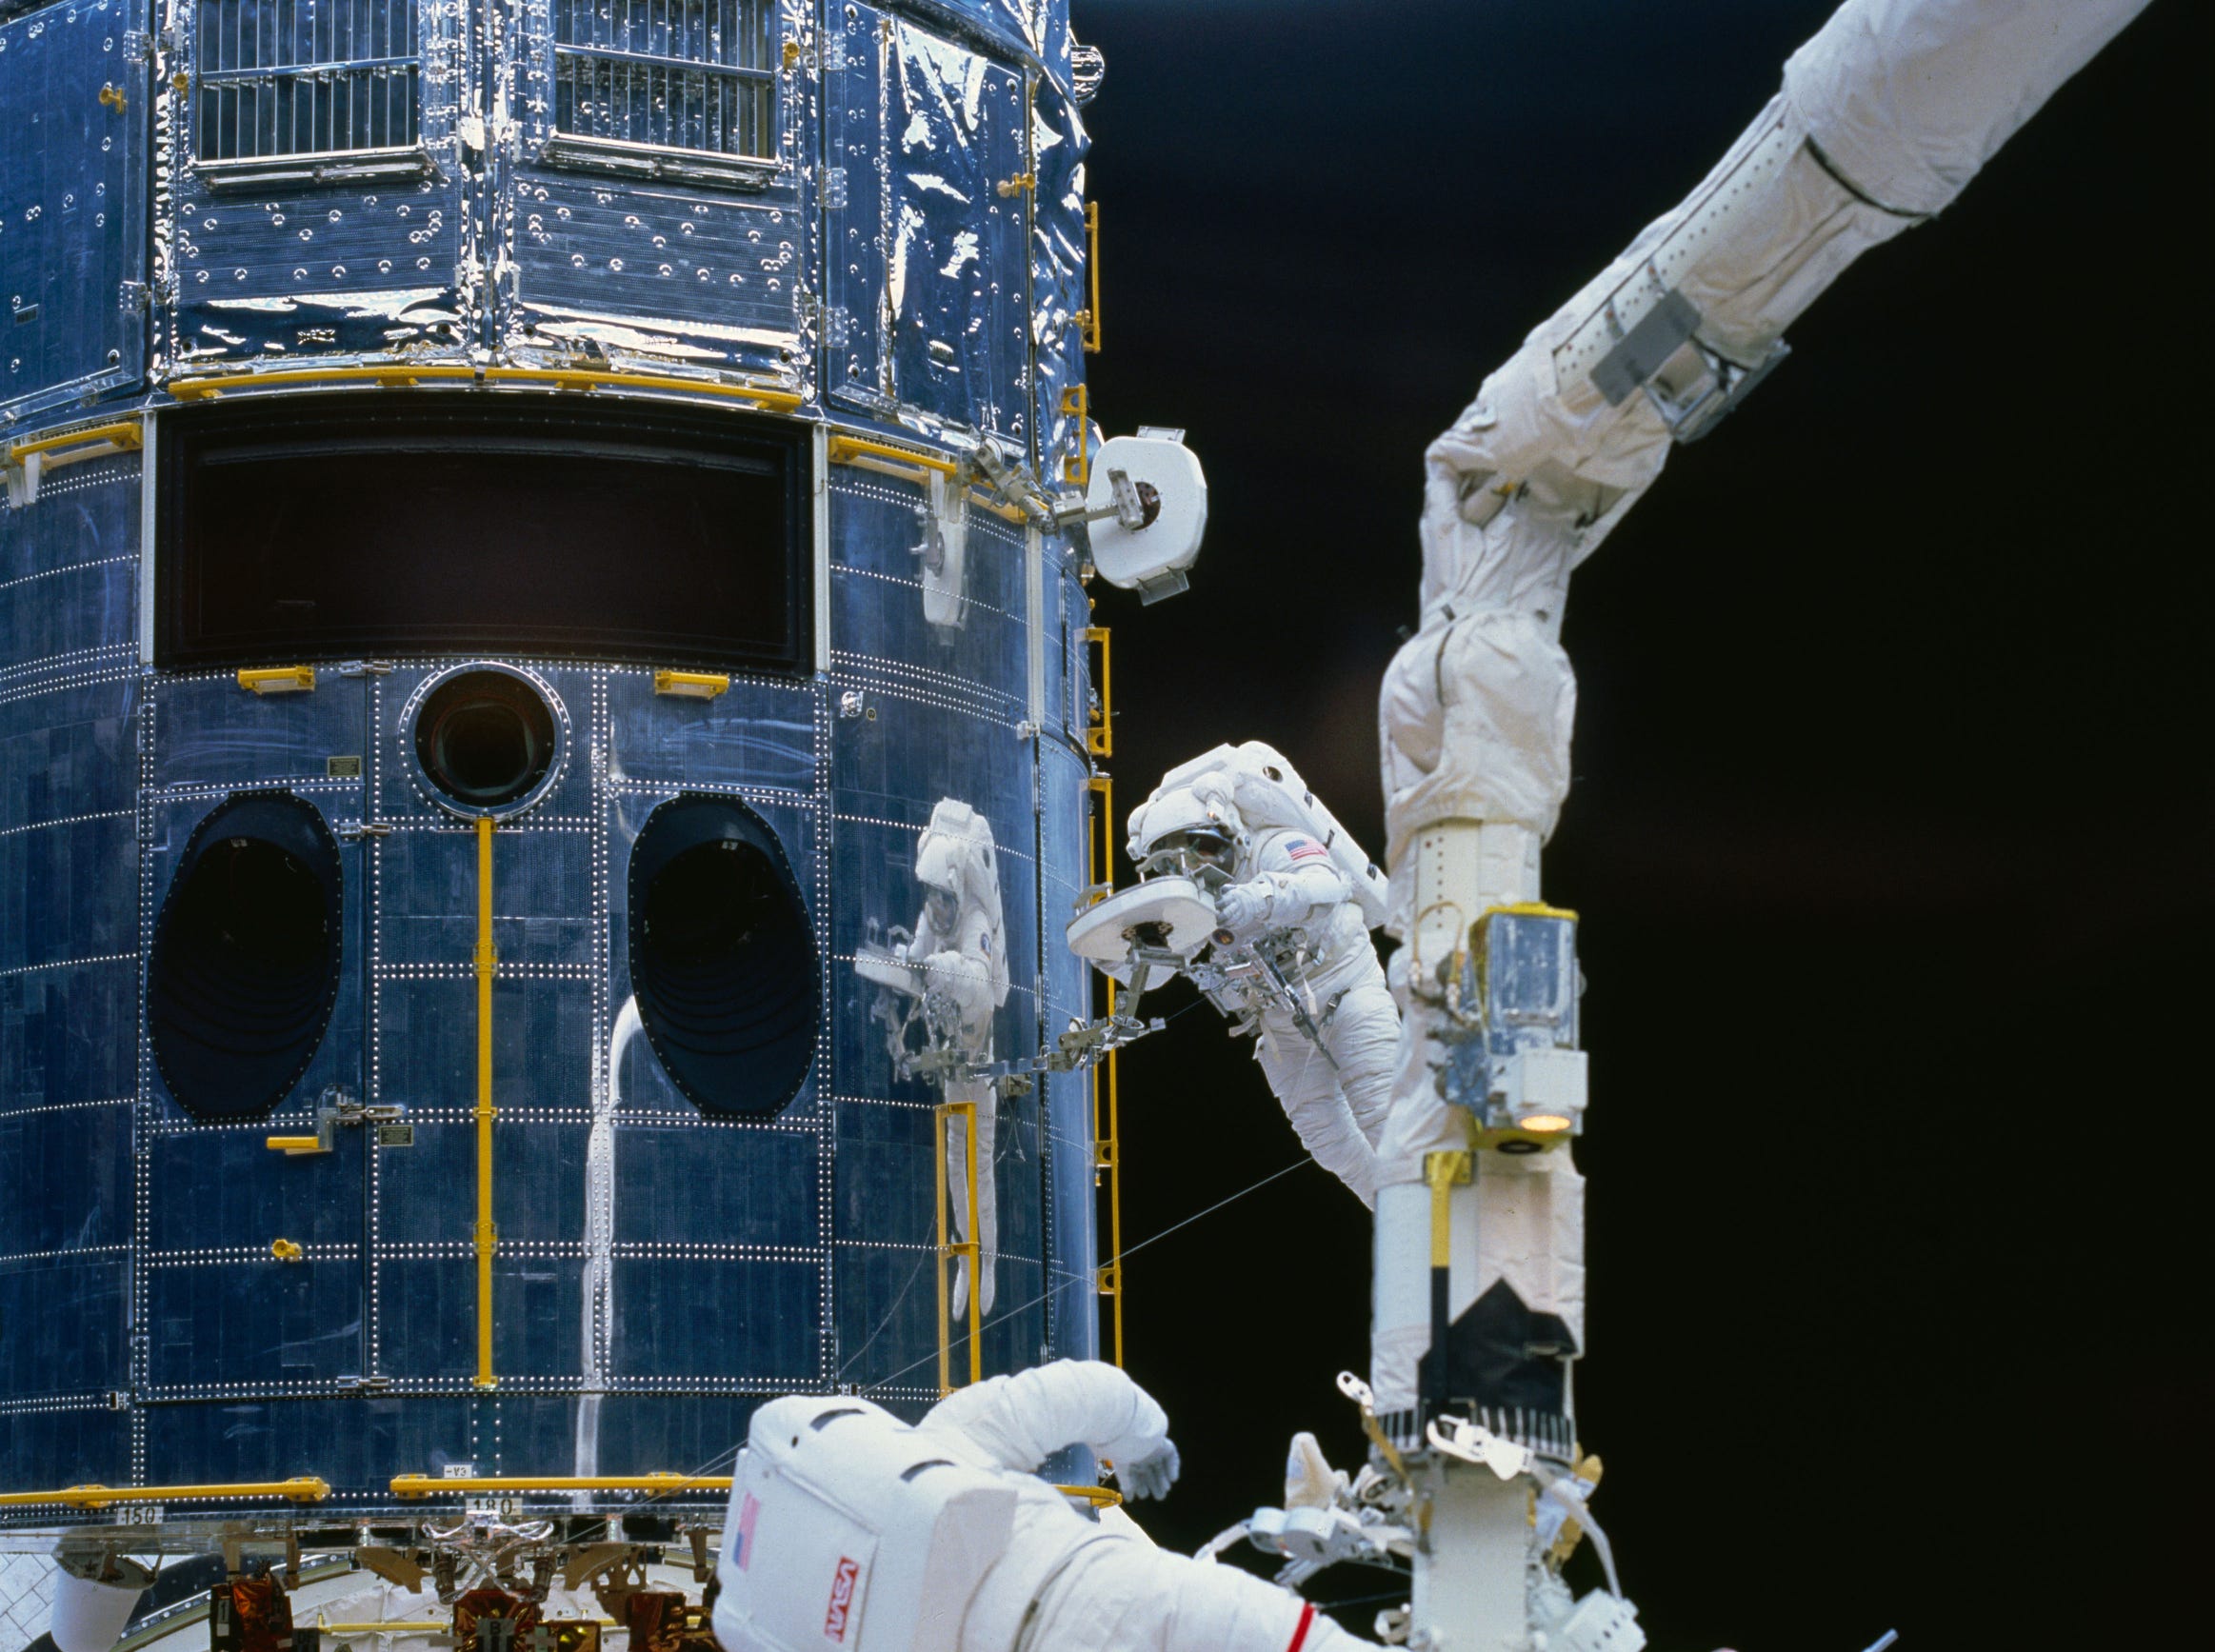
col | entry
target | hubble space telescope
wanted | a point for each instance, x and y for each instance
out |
(519, 521)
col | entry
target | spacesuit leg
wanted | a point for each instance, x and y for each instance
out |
(1306, 1086)
(1362, 1035)
(957, 1186)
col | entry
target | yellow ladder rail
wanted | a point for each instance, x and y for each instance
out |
(413, 1486)
(1088, 318)
(1100, 732)
(1106, 1099)
(948, 1248)
(301, 1488)
(406, 375)
(488, 964)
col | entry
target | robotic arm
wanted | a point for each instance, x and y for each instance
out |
(1883, 118)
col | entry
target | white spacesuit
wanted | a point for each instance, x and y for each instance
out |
(960, 949)
(1327, 1027)
(1038, 1576)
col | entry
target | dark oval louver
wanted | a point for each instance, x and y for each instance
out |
(723, 956)
(246, 956)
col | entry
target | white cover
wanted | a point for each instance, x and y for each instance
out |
(1910, 98)
(1132, 558)
(1269, 792)
(89, 1615)
(847, 1529)
(1100, 934)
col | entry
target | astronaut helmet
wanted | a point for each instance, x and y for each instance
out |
(954, 861)
(1195, 831)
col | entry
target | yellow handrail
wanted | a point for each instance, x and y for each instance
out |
(1100, 733)
(908, 464)
(401, 375)
(208, 385)
(488, 965)
(845, 449)
(1088, 318)
(579, 379)
(1107, 1122)
(1107, 1157)
(102, 439)
(432, 1485)
(390, 1627)
(27, 463)
(971, 1247)
(1098, 1496)
(301, 1488)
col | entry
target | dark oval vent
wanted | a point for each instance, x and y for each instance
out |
(723, 956)
(246, 956)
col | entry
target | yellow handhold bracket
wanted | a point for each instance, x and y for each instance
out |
(1077, 467)
(692, 685)
(278, 679)
(293, 1147)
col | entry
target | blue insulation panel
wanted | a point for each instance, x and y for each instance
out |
(72, 203)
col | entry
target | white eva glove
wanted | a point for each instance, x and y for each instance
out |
(1152, 1476)
(1242, 908)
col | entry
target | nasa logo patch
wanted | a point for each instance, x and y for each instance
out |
(842, 1584)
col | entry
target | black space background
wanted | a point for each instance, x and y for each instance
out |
(1890, 824)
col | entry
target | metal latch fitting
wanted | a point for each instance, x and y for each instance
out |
(336, 1108)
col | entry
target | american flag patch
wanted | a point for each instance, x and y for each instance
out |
(1306, 849)
(747, 1511)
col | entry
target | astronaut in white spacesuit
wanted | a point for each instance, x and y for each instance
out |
(1327, 1025)
(1058, 1580)
(960, 952)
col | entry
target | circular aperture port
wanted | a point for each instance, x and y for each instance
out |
(485, 738)
(246, 956)
(721, 956)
